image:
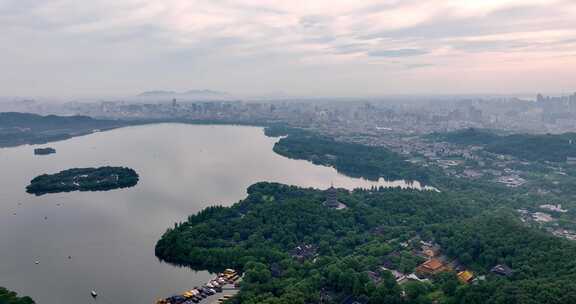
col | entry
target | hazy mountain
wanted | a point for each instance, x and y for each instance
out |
(205, 92)
(187, 95)
(157, 93)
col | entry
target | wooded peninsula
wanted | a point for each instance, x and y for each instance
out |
(465, 244)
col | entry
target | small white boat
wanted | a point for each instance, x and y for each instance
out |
(93, 293)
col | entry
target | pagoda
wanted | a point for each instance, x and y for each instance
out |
(332, 199)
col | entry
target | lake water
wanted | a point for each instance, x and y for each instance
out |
(110, 236)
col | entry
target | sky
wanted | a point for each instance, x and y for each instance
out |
(296, 47)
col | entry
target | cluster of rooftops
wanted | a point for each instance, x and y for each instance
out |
(437, 263)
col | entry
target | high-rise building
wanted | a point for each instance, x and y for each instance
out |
(540, 98)
(474, 114)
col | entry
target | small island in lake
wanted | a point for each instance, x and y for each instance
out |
(44, 151)
(84, 179)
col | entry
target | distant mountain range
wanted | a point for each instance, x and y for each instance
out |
(190, 94)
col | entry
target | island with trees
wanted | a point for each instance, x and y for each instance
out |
(44, 151)
(84, 179)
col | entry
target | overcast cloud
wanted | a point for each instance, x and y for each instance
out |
(301, 47)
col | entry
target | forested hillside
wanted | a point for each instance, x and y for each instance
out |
(351, 159)
(259, 234)
(531, 147)
(25, 128)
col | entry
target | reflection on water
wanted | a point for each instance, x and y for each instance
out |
(105, 240)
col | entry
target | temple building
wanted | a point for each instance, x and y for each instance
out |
(431, 267)
(502, 270)
(465, 276)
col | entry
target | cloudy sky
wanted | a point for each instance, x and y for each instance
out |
(300, 47)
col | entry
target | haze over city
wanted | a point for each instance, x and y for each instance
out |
(288, 151)
(66, 48)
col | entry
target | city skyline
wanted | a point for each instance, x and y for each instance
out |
(247, 47)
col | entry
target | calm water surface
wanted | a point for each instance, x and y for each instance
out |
(110, 236)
